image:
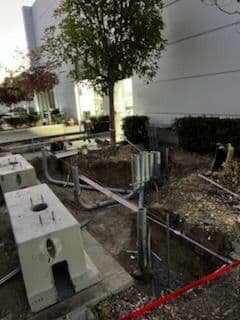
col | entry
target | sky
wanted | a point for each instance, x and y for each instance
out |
(12, 33)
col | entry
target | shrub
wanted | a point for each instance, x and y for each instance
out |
(59, 118)
(22, 119)
(136, 128)
(55, 111)
(15, 121)
(100, 124)
(32, 118)
(201, 134)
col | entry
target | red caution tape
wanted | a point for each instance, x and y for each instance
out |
(156, 303)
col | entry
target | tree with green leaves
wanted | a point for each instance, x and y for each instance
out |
(106, 41)
(11, 91)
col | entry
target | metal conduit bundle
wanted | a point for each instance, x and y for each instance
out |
(146, 167)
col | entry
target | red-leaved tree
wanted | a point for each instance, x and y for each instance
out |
(22, 84)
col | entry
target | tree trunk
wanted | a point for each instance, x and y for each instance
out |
(112, 114)
(39, 105)
(46, 98)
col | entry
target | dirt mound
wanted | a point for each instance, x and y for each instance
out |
(229, 176)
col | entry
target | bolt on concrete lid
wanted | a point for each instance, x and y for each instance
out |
(11, 163)
(35, 212)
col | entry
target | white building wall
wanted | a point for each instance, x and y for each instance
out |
(29, 28)
(200, 69)
(42, 17)
(37, 18)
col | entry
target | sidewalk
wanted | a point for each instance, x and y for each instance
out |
(18, 135)
(114, 280)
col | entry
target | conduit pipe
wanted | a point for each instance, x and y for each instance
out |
(141, 198)
(47, 175)
(10, 276)
(71, 184)
(96, 205)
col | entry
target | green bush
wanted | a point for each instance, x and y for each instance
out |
(59, 118)
(201, 134)
(32, 118)
(136, 128)
(100, 124)
(15, 121)
(20, 120)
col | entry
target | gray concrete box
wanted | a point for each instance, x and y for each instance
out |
(50, 247)
(16, 173)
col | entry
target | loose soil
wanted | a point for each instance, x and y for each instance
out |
(219, 300)
(198, 209)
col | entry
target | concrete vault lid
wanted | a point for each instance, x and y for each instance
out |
(28, 224)
(11, 163)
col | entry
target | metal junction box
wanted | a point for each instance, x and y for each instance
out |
(50, 247)
(16, 173)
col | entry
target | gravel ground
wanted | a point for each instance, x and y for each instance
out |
(218, 300)
(202, 204)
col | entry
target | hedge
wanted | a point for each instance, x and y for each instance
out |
(200, 134)
(59, 118)
(100, 124)
(136, 128)
(21, 120)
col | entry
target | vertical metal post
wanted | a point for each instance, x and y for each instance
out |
(150, 138)
(138, 171)
(149, 246)
(151, 165)
(77, 189)
(142, 161)
(150, 264)
(157, 164)
(166, 157)
(133, 170)
(147, 167)
(155, 138)
(168, 247)
(142, 238)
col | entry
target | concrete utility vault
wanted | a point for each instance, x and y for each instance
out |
(49, 241)
(16, 173)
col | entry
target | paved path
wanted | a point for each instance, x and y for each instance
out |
(114, 279)
(18, 135)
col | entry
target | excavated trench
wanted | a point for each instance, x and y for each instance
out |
(111, 173)
(186, 261)
(182, 264)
